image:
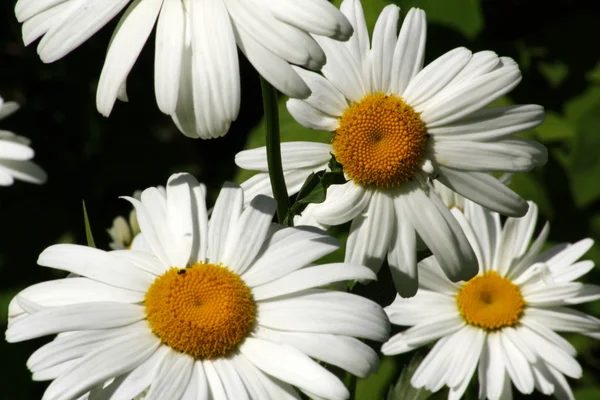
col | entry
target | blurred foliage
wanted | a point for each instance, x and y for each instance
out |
(96, 159)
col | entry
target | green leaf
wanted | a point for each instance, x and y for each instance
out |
(584, 168)
(554, 128)
(376, 386)
(403, 390)
(530, 187)
(464, 16)
(88, 228)
(314, 190)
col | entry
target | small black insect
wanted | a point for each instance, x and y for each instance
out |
(181, 272)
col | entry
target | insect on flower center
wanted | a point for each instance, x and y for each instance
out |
(204, 311)
(380, 141)
(490, 302)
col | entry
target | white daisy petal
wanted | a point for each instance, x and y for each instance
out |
(338, 313)
(180, 216)
(97, 315)
(470, 96)
(342, 69)
(487, 228)
(121, 356)
(517, 366)
(484, 189)
(26, 171)
(432, 277)
(343, 203)
(440, 231)
(552, 354)
(512, 155)
(324, 97)
(402, 256)
(170, 33)
(274, 69)
(15, 151)
(248, 373)
(312, 277)
(491, 123)
(129, 37)
(81, 23)
(288, 250)
(563, 260)
(142, 259)
(76, 345)
(529, 258)
(63, 292)
(310, 117)
(348, 353)
(423, 333)
(245, 237)
(493, 368)
(294, 155)
(232, 383)
(284, 40)
(330, 23)
(227, 210)
(260, 184)
(370, 233)
(141, 377)
(358, 44)
(216, 84)
(435, 76)
(184, 115)
(426, 305)
(433, 366)
(475, 340)
(564, 319)
(215, 386)
(379, 61)
(410, 50)
(25, 9)
(95, 264)
(305, 373)
(171, 376)
(197, 388)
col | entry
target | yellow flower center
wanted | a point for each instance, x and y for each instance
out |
(381, 141)
(204, 311)
(490, 302)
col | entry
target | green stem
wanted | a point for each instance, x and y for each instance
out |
(350, 383)
(269, 95)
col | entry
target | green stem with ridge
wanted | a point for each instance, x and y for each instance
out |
(269, 96)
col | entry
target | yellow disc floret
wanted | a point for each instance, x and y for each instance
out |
(204, 311)
(381, 141)
(490, 302)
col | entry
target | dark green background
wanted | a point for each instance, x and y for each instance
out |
(97, 159)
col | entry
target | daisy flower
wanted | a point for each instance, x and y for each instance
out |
(397, 126)
(196, 79)
(229, 307)
(503, 322)
(15, 154)
(123, 231)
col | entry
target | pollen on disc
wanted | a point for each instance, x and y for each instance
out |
(490, 302)
(381, 141)
(204, 311)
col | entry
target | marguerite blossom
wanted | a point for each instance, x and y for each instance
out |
(223, 308)
(124, 232)
(397, 126)
(15, 154)
(503, 322)
(196, 79)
